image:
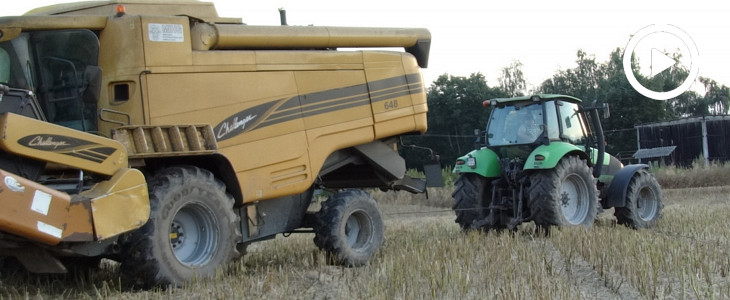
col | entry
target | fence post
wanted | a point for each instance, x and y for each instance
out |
(705, 148)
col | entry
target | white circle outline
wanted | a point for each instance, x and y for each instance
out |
(694, 60)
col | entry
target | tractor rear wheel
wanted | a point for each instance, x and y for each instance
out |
(565, 195)
(471, 200)
(191, 232)
(467, 190)
(643, 202)
(349, 228)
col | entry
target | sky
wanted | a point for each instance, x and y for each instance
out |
(486, 36)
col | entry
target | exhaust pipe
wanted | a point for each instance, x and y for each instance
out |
(282, 16)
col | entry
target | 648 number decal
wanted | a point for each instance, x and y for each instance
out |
(390, 104)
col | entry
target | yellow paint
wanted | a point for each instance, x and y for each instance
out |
(119, 204)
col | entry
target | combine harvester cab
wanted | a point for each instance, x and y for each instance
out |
(167, 138)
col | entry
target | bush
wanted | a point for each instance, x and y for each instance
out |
(699, 175)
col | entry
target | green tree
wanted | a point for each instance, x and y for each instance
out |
(686, 104)
(628, 107)
(717, 97)
(582, 81)
(512, 80)
(607, 83)
(716, 100)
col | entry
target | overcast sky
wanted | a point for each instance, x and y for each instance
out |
(485, 36)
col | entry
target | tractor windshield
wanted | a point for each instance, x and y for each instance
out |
(515, 124)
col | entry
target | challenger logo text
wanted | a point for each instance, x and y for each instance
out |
(234, 125)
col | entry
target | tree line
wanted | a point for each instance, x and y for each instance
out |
(455, 109)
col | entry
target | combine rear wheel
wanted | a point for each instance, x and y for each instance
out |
(192, 230)
(349, 228)
(565, 195)
(643, 202)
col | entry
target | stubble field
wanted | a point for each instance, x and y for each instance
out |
(426, 256)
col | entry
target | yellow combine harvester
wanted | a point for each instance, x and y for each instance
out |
(167, 138)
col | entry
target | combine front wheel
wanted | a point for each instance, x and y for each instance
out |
(192, 230)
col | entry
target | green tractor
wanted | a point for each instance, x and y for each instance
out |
(539, 161)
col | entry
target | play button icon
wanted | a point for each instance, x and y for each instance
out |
(660, 62)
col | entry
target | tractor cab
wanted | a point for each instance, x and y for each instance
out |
(540, 161)
(517, 126)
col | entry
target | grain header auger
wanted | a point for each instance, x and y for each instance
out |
(167, 138)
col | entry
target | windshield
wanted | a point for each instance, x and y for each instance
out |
(514, 125)
(61, 68)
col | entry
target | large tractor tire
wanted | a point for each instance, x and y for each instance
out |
(349, 228)
(471, 192)
(643, 202)
(191, 232)
(564, 196)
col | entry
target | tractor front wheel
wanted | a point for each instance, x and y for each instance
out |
(565, 195)
(643, 202)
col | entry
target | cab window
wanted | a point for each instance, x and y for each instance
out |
(67, 76)
(572, 128)
(552, 121)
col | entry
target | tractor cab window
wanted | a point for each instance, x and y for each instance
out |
(515, 124)
(571, 123)
(67, 76)
(553, 129)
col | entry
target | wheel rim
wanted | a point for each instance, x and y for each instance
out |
(573, 195)
(648, 204)
(193, 235)
(358, 230)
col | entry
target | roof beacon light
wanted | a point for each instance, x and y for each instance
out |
(121, 10)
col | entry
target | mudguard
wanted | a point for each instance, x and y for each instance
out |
(551, 155)
(486, 163)
(616, 193)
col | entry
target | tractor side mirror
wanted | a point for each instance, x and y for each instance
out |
(478, 140)
(606, 111)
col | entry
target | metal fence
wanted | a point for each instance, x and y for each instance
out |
(706, 138)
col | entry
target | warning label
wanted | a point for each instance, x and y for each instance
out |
(166, 32)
